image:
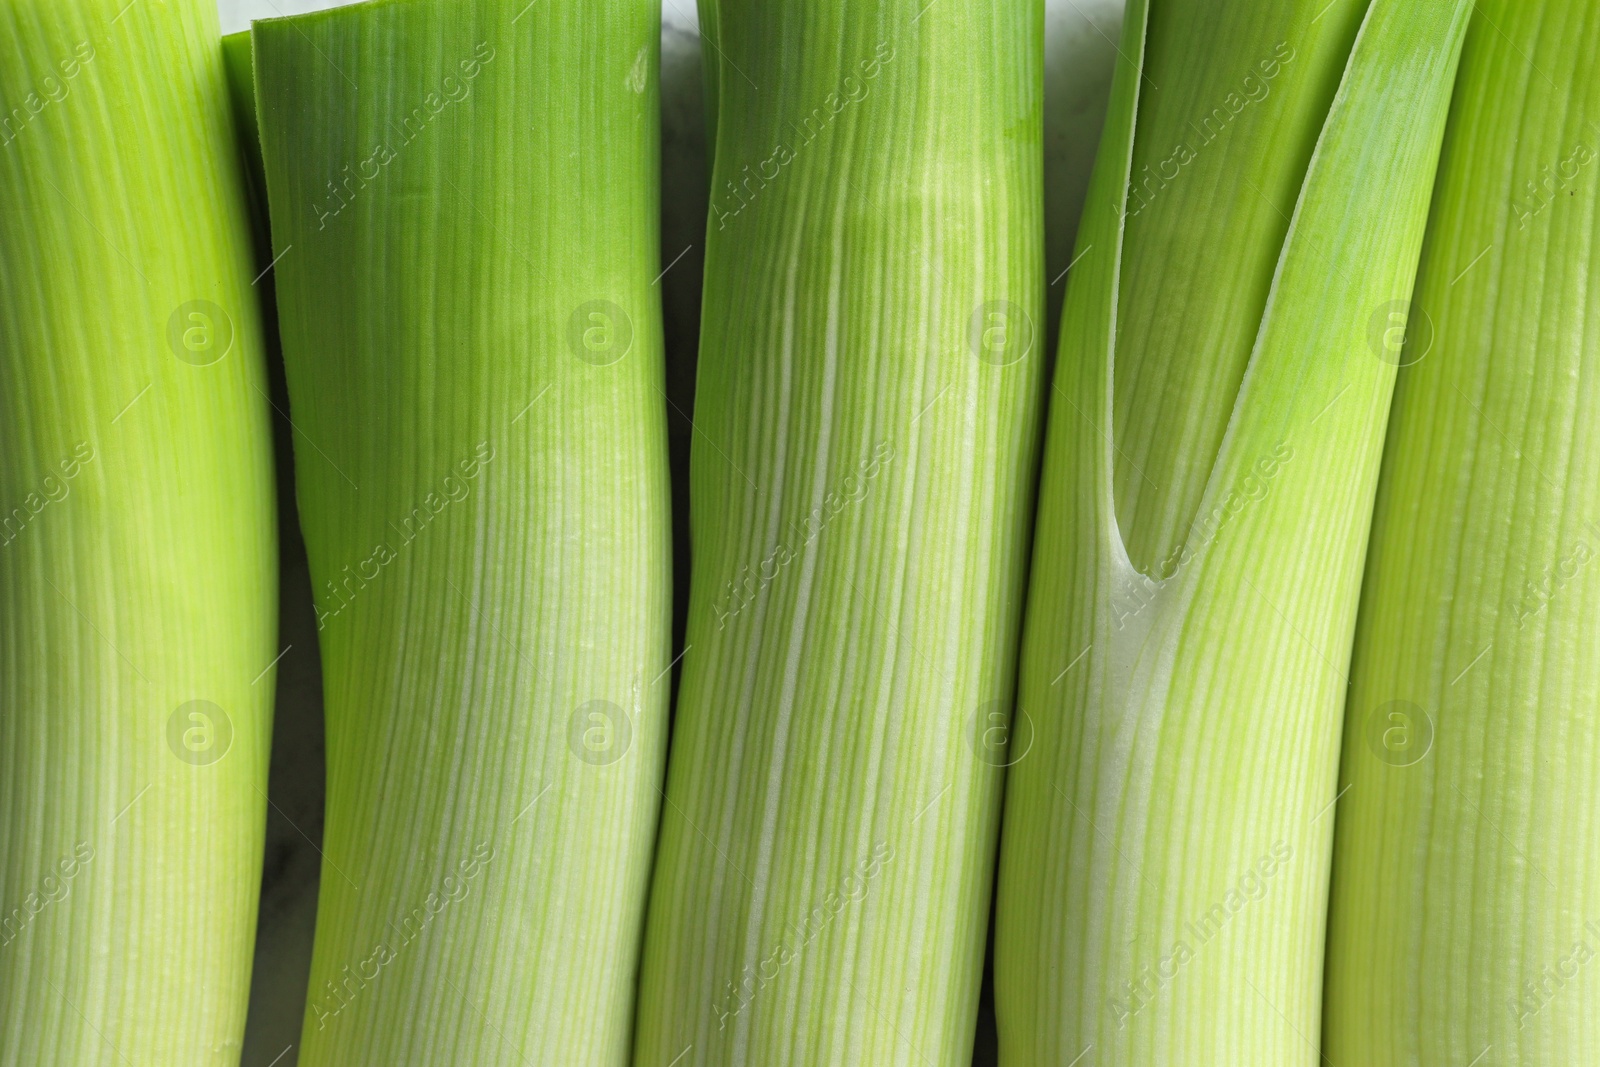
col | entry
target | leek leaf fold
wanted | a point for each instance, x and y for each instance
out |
(1165, 855)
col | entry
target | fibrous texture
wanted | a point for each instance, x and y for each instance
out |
(1466, 889)
(1165, 858)
(137, 558)
(866, 423)
(463, 206)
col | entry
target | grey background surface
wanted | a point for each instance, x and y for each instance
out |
(1080, 48)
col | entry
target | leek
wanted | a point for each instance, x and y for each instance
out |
(240, 66)
(1465, 911)
(1165, 856)
(866, 418)
(463, 207)
(137, 558)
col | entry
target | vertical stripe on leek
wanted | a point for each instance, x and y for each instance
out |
(137, 560)
(866, 415)
(1164, 869)
(1465, 910)
(463, 200)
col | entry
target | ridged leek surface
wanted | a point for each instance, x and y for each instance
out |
(1196, 567)
(138, 588)
(1465, 911)
(866, 418)
(463, 200)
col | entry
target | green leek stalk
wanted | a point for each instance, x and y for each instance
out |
(1219, 411)
(239, 62)
(463, 206)
(1465, 909)
(868, 404)
(138, 591)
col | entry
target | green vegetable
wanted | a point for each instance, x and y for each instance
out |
(240, 65)
(1465, 897)
(867, 416)
(138, 591)
(463, 200)
(1165, 855)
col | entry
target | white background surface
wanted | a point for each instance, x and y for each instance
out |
(1079, 52)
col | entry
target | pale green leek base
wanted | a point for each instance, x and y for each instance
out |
(866, 416)
(137, 557)
(1165, 854)
(473, 348)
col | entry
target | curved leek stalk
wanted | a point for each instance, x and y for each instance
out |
(466, 229)
(137, 560)
(1465, 911)
(1165, 856)
(866, 435)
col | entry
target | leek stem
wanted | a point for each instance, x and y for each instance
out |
(138, 587)
(867, 414)
(463, 200)
(1165, 857)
